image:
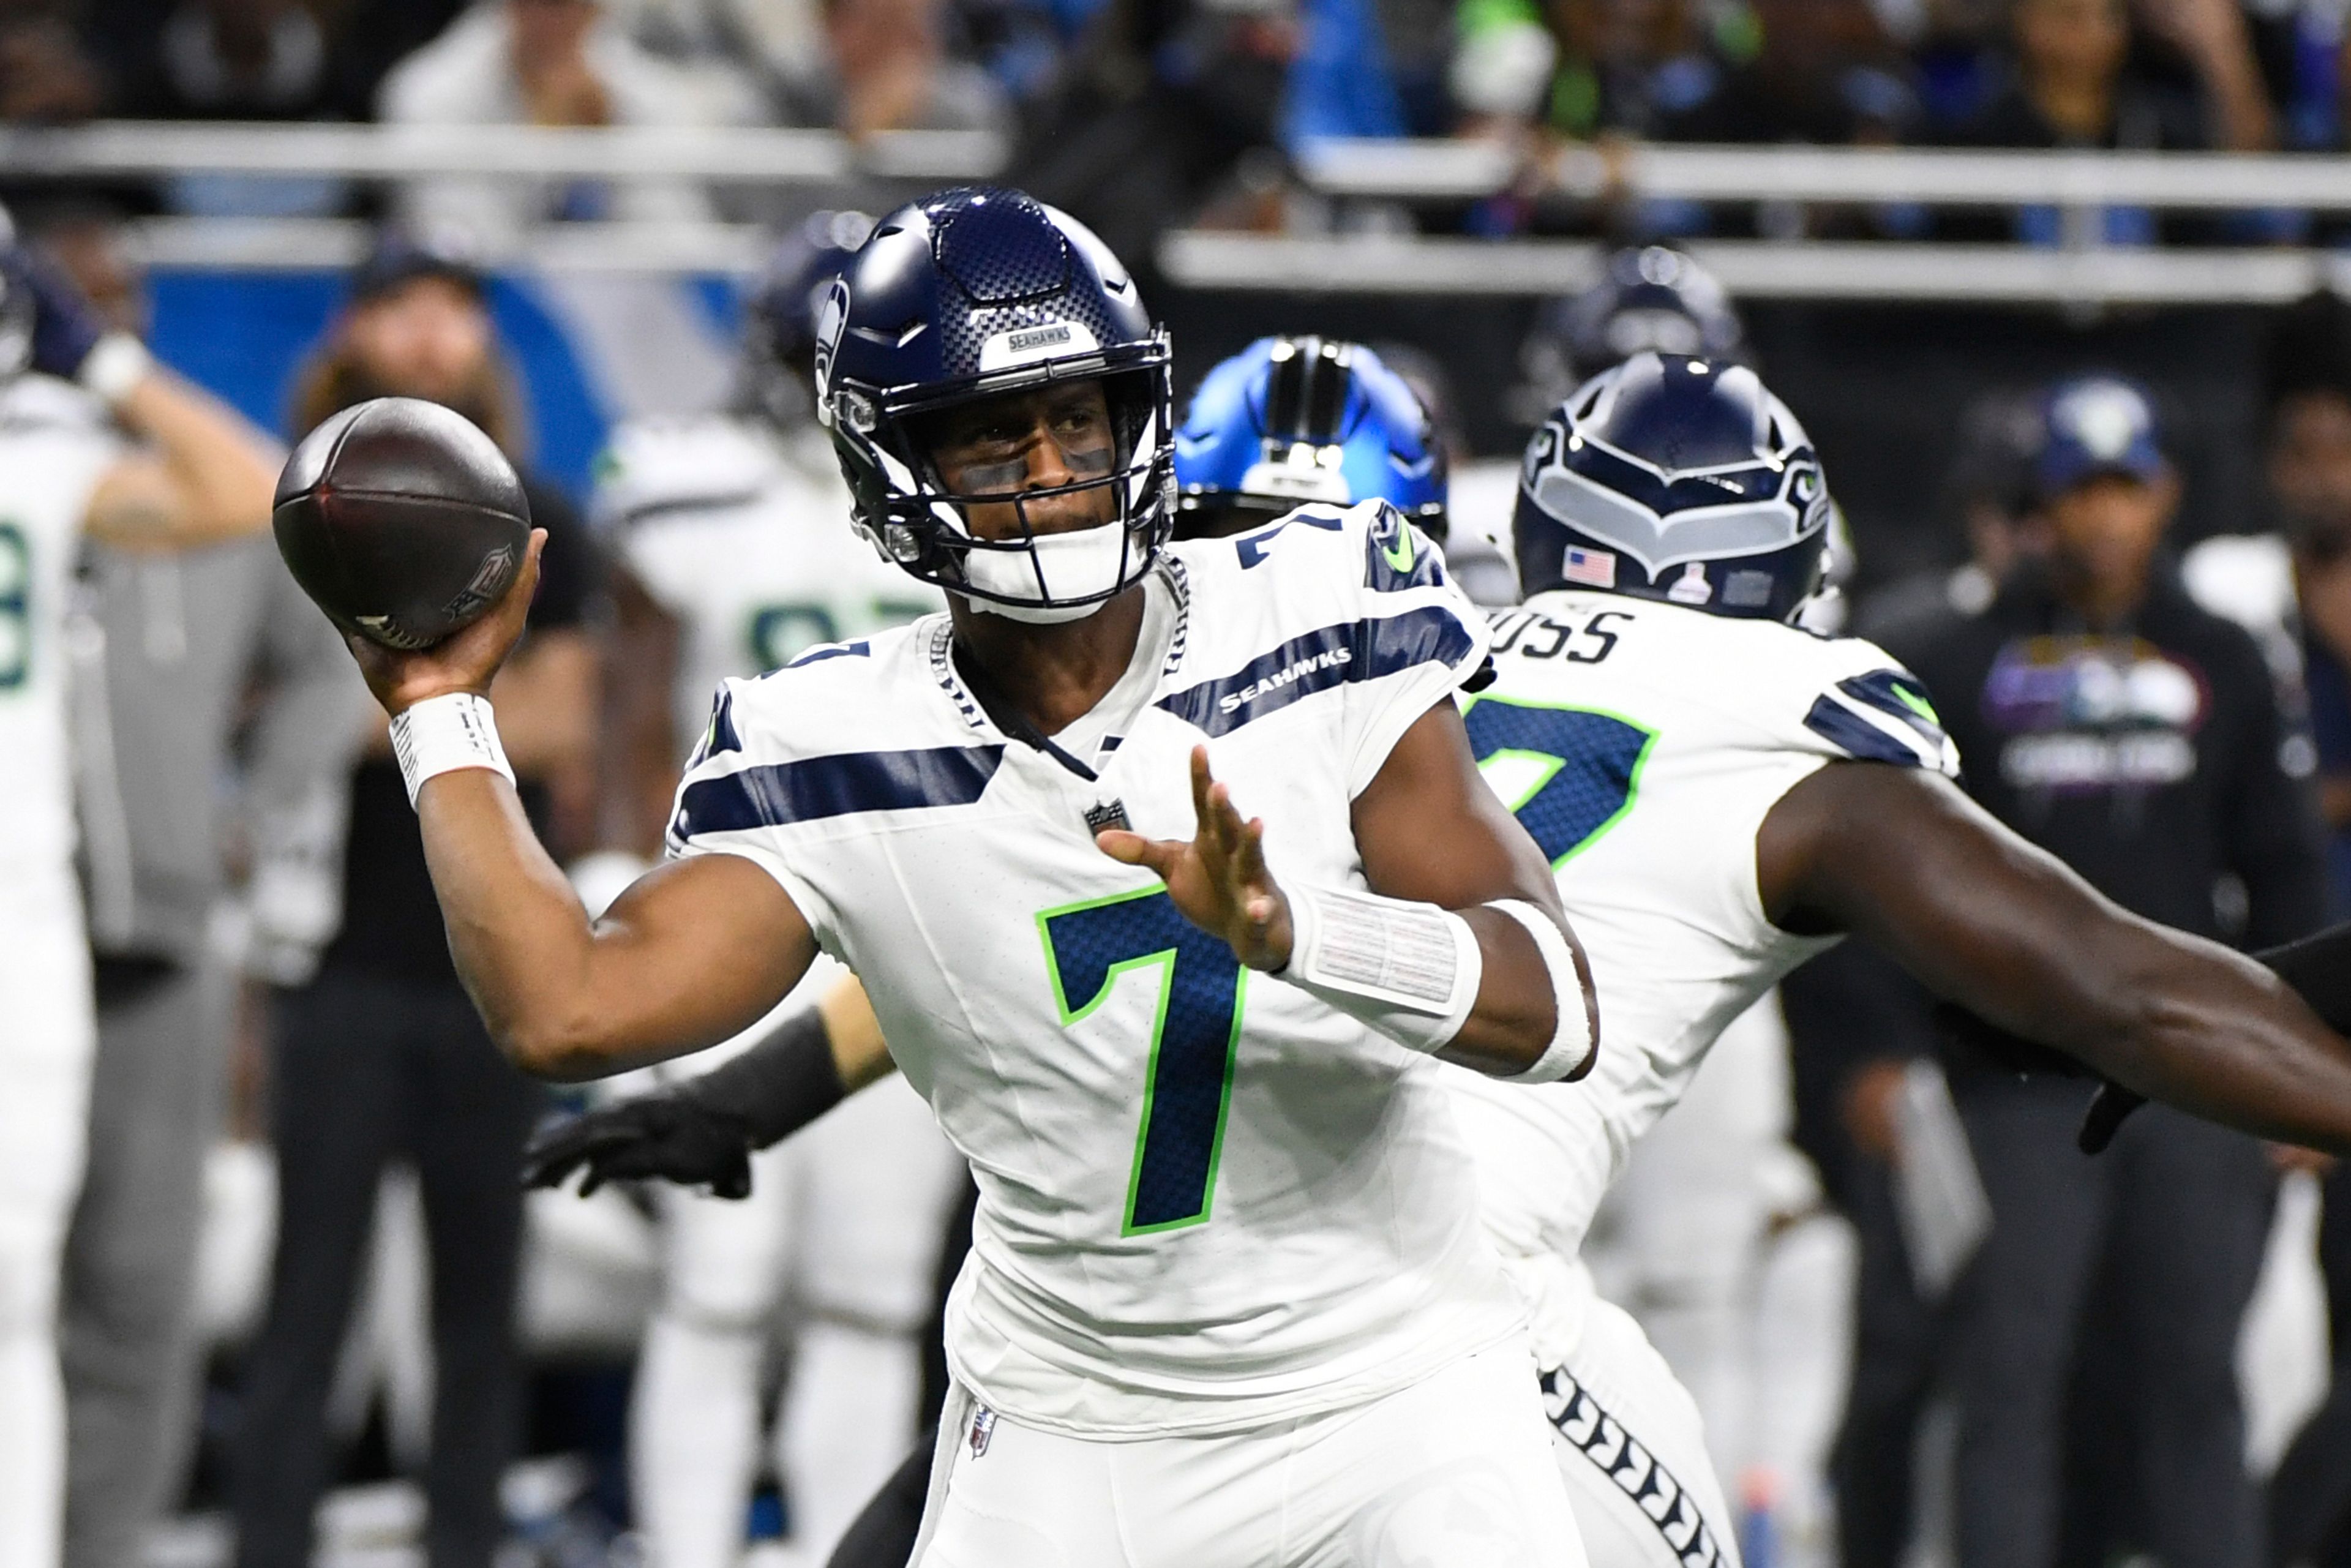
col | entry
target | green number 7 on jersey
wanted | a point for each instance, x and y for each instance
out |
(1187, 1085)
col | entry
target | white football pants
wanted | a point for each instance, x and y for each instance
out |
(49, 1038)
(1680, 1238)
(1632, 1447)
(1453, 1472)
(843, 1220)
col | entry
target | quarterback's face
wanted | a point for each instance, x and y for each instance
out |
(1040, 440)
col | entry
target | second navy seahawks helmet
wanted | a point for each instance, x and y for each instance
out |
(971, 294)
(1652, 299)
(1680, 480)
(779, 316)
(1291, 420)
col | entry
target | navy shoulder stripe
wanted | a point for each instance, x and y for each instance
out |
(823, 651)
(1847, 730)
(777, 793)
(1329, 656)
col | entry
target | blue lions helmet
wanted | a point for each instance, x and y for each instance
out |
(779, 316)
(1291, 420)
(1675, 478)
(970, 294)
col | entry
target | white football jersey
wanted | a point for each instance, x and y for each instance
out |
(52, 455)
(743, 537)
(1207, 1200)
(1643, 744)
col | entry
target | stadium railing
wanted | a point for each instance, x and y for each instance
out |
(2087, 277)
(1466, 171)
(750, 156)
(2080, 274)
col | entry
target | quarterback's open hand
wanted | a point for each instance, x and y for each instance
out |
(465, 661)
(672, 1137)
(1219, 879)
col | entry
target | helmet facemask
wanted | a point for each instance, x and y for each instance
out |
(922, 524)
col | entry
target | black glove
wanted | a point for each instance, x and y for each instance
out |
(2107, 1112)
(672, 1137)
(66, 325)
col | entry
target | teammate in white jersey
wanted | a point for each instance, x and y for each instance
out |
(1724, 795)
(733, 558)
(170, 467)
(1228, 1299)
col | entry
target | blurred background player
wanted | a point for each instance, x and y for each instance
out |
(1646, 297)
(2290, 586)
(2107, 718)
(380, 1056)
(732, 556)
(196, 664)
(97, 441)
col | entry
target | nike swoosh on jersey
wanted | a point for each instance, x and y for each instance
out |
(847, 784)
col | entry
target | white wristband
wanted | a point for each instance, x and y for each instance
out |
(1576, 1043)
(444, 734)
(118, 362)
(1410, 971)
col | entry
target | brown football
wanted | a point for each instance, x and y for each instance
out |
(402, 520)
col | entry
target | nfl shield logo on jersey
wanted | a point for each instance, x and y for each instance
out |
(983, 1427)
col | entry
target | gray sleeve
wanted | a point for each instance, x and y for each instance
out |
(311, 725)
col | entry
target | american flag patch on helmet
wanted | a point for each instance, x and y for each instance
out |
(1590, 568)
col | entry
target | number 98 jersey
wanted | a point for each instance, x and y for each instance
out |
(53, 453)
(1207, 1200)
(1642, 745)
(742, 536)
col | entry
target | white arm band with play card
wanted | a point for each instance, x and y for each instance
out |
(1409, 970)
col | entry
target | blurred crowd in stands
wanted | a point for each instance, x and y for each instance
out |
(1140, 113)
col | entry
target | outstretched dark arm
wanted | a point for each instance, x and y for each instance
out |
(1993, 923)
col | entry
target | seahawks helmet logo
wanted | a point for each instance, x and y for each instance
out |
(831, 320)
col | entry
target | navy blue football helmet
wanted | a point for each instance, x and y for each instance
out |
(1652, 299)
(969, 294)
(1675, 479)
(1291, 420)
(779, 316)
